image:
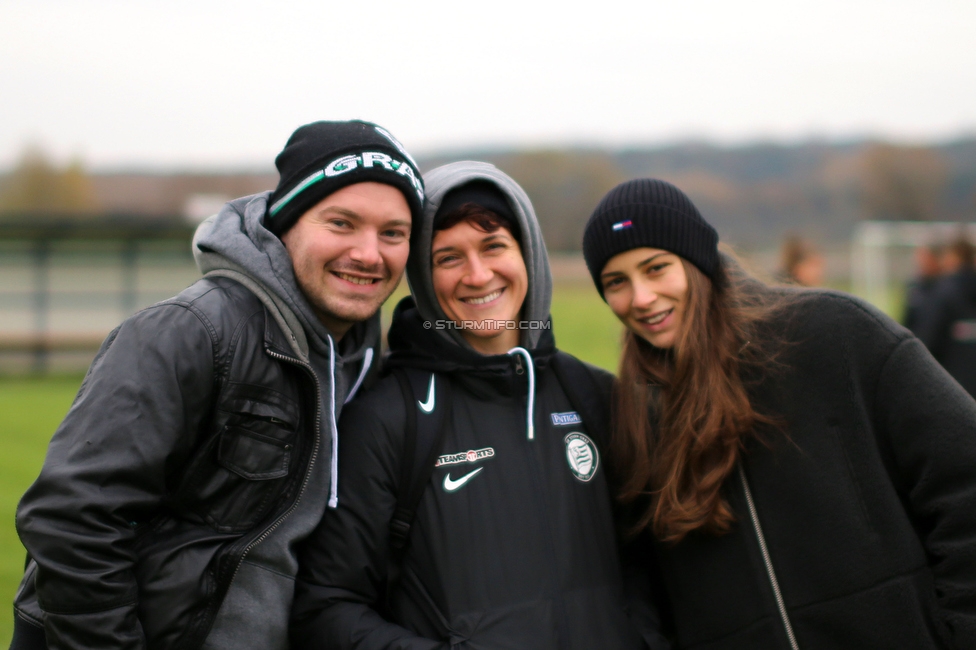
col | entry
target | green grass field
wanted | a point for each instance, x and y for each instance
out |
(32, 408)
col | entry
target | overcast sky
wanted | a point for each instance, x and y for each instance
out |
(201, 83)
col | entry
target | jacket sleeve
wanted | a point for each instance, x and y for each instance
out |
(929, 424)
(343, 565)
(131, 425)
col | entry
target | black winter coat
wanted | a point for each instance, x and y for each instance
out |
(948, 326)
(866, 500)
(189, 438)
(511, 547)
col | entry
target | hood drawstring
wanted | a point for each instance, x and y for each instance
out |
(334, 487)
(530, 416)
(367, 361)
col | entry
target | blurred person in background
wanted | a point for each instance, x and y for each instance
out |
(799, 466)
(201, 446)
(508, 540)
(919, 292)
(948, 326)
(801, 263)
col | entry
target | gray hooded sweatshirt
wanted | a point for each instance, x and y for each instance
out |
(235, 244)
(438, 183)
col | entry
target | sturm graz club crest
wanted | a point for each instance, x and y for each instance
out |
(582, 456)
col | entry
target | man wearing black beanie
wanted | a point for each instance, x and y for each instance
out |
(201, 448)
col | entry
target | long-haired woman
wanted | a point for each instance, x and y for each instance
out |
(798, 467)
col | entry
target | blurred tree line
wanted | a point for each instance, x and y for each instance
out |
(37, 187)
(753, 194)
(903, 183)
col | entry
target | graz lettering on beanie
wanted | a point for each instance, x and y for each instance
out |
(647, 212)
(323, 157)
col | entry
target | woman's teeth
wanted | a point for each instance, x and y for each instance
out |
(355, 280)
(480, 301)
(657, 318)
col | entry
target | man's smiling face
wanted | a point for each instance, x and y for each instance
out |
(349, 252)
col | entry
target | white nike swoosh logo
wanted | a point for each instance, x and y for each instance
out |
(451, 486)
(428, 406)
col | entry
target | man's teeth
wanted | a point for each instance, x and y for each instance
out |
(355, 280)
(657, 318)
(480, 301)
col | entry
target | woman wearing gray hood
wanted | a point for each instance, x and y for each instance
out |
(476, 511)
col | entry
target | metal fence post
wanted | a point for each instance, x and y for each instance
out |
(42, 303)
(130, 255)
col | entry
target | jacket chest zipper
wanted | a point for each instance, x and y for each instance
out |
(308, 470)
(542, 505)
(770, 572)
(520, 369)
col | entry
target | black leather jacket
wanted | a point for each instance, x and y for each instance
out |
(190, 440)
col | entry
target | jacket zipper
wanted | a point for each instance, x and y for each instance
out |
(308, 473)
(542, 506)
(518, 353)
(767, 560)
(542, 502)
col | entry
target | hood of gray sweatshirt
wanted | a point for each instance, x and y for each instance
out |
(439, 182)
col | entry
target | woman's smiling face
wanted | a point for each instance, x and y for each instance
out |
(647, 289)
(480, 276)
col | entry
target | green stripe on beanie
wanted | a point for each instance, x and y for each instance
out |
(323, 157)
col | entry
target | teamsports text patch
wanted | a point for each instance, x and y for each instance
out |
(470, 456)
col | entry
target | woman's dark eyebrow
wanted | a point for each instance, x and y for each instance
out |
(651, 259)
(486, 238)
(610, 274)
(442, 249)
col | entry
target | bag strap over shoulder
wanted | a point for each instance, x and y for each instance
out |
(426, 423)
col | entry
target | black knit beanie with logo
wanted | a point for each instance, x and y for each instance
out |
(646, 212)
(323, 157)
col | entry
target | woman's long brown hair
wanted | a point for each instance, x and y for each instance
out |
(701, 411)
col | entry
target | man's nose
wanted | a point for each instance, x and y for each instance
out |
(366, 250)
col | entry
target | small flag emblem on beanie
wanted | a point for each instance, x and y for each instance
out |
(620, 225)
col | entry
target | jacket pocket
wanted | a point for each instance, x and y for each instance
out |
(243, 471)
(252, 455)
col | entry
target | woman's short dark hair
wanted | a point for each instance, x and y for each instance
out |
(480, 218)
